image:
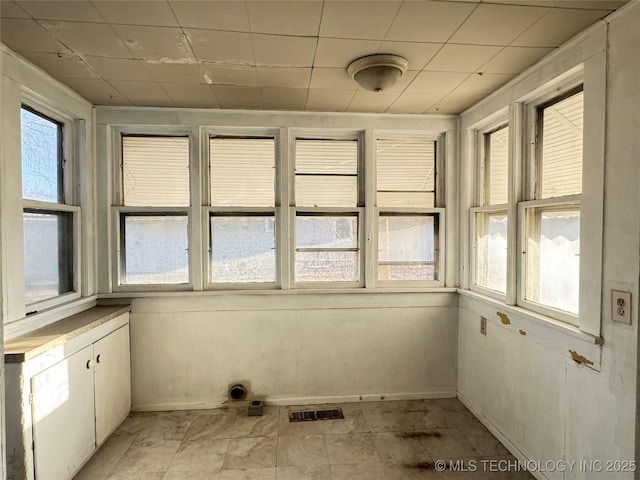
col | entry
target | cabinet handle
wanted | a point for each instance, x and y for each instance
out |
(88, 364)
(98, 358)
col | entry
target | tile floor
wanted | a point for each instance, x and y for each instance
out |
(397, 440)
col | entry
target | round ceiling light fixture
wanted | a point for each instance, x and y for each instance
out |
(377, 72)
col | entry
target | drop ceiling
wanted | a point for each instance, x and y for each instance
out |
(290, 55)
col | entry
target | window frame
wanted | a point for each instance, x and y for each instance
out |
(358, 210)
(208, 210)
(532, 191)
(439, 209)
(69, 184)
(119, 210)
(480, 203)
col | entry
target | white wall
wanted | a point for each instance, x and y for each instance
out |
(292, 348)
(526, 387)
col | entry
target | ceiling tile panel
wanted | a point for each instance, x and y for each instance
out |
(285, 17)
(482, 84)
(372, 102)
(358, 19)
(89, 38)
(222, 48)
(241, 76)
(454, 104)
(332, 78)
(514, 59)
(162, 44)
(609, 5)
(417, 54)
(556, 27)
(414, 102)
(436, 82)
(219, 15)
(11, 10)
(98, 92)
(320, 100)
(284, 51)
(119, 69)
(239, 97)
(292, 78)
(23, 35)
(340, 53)
(175, 73)
(461, 58)
(136, 12)
(529, 3)
(284, 98)
(144, 94)
(191, 96)
(428, 21)
(497, 24)
(60, 10)
(61, 65)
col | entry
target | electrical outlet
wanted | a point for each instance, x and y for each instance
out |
(621, 306)
(483, 325)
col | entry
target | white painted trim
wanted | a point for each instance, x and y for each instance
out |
(289, 401)
(515, 451)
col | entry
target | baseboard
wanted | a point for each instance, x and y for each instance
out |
(515, 451)
(285, 401)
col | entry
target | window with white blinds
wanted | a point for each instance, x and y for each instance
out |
(242, 224)
(406, 173)
(155, 171)
(326, 173)
(242, 171)
(154, 219)
(327, 241)
(407, 221)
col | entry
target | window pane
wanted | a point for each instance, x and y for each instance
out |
(327, 249)
(242, 249)
(406, 247)
(330, 266)
(326, 232)
(553, 257)
(41, 141)
(406, 173)
(48, 255)
(155, 249)
(491, 251)
(561, 147)
(155, 171)
(326, 173)
(497, 167)
(242, 171)
(317, 191)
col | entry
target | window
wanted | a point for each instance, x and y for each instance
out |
(327, 218)
(242, 214)
(51, 261)
(550, 219)
(490, 218)
(408, 222)
(153, 221)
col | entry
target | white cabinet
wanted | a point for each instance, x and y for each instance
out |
(112, 380)
(63, 415)
(68, 387)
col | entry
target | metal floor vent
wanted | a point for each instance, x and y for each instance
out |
(312, 415)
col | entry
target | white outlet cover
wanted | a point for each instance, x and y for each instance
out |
(621, 306)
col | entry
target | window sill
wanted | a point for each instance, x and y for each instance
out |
(566, 339)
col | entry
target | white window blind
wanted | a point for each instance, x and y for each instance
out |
(406, 173)
(242, 171)
(155, 171)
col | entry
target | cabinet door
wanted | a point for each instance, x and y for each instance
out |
(112, 381)
(63, 416)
